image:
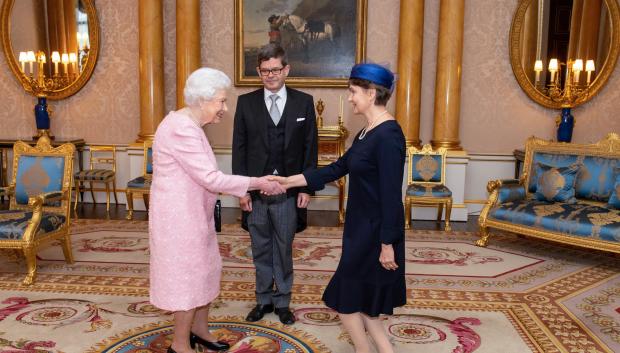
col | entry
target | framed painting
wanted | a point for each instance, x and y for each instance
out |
(323, 39)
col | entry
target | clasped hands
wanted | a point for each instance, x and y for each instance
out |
(272, 185)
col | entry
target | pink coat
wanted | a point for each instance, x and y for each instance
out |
(185, 265)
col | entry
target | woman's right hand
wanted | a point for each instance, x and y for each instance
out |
(291, 181)
(269, 187)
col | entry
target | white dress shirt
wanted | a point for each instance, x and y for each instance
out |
(280, 102)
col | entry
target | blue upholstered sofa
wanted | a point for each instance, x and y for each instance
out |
(535, 206)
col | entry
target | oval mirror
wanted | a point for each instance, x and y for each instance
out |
(562, 52)
(50, 45)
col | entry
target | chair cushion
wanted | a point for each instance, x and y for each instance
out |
(428, 190)
(614, 199)
(149, 160)
(13, 223)
(426, 168)
(95, 174)
(511, 192)
(37, 175)
(139, 183)
(579, 219)
(556, 184)
(596, 178)
(552, 159)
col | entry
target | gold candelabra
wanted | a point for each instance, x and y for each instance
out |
(320, 106)
(573, 88)
(39, 83)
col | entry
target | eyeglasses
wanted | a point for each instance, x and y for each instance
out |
(266, 72)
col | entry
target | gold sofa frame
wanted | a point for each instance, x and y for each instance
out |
(29, 243)
(410, 201)
(129, 192)
(608, 147)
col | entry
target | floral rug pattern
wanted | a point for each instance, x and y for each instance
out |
(517, 295)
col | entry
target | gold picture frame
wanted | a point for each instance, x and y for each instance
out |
(321, 42)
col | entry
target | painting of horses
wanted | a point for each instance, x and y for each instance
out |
(323, 39)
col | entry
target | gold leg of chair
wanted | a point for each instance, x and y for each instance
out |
(484, 236)
(145, 197)
(114, 189)
(341, 191)
(31, 262)
(439, 212)
(107, 198)
(129, 195)
(407, 214)
(66, 248)
(92, 193)
(448, 213)
(78, 185)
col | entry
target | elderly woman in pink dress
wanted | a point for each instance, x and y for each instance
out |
(186, 266)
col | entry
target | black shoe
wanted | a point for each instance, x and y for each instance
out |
(285, 315)
(214, 346)
(258, 312)
(170, 350)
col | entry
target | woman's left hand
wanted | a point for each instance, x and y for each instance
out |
(386, 258)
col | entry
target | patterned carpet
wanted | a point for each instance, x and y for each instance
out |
(518, 296)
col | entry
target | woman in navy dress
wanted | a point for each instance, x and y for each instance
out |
(370, 278)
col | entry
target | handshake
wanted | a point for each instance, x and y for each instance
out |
(275, 185)
(272, 184)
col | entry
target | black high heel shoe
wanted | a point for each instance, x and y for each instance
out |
(214, 346)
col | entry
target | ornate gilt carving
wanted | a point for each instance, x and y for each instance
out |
(93, 53)
(516, 29)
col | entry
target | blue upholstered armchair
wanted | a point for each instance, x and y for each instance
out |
(426, 182)
(142, 184)
(40, 194)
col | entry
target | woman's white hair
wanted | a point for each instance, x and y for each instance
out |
(203, 84)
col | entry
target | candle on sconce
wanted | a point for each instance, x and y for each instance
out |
(553, 68)
(64, 58)
(55, 60)
(85, 40)
(538, 67)
(589, 69)
(340, 108)
(73, 61)
(23, 57)
(31, 59)
(577, 68)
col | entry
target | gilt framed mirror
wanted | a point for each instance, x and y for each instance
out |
(51, 46)
(553, 42)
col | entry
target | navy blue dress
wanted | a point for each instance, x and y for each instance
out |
(374, 216)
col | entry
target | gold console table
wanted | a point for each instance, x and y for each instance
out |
(331, 147)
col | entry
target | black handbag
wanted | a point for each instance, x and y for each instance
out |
(217, 216)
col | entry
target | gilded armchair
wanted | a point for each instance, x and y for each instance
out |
(40, 192)
(142, 184)
(426, 177)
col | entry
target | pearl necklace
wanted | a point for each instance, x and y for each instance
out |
(365, 129)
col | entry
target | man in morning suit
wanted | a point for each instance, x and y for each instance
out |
(274, 133)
